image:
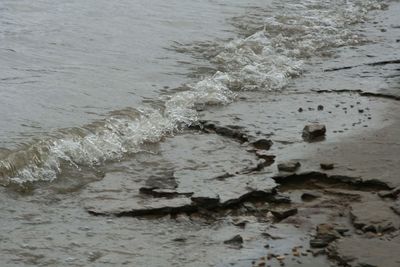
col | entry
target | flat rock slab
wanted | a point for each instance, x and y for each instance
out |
(375, 216)
(188, 172)
(134, 207)
(357, 251)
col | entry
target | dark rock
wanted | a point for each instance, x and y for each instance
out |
(390, 194)
(269, 159)
(224, 176)
(241, 224)
(250, 207)
(236, 241)
(279, 198)
(264, 144)
(318, 243)
(289, 166)
(225, 131)
(318, 252)
(283, 214)
(320, 107)
(343, 231)
(284, 178)
(206, 202)
(327, 166)
(157, 206)
(273, 237)
(396, 207)
(314, 132)
(308, 196)
(300, 110)
(179, 239)
(361, 111)
(326, 234)
(159, 192)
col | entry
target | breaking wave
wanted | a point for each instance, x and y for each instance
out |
(266, 59)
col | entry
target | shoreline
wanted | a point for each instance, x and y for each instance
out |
(309, 216)
(243, 187)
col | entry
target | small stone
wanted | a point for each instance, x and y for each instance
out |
(262, 154)
(280, 258)
(264, 144)
(308, 196)
(314, 132)
(300, 110)
(327, 166)
(283, 214)
(236, 240)
(361, 111)
(320, 107)
(241, 224)
(267, 235)
(318, 243)
(326, 233)
(289, 166)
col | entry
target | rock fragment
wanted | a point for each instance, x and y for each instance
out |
(289, 166)
(309, 195)
(283, 214)
(327, 166)
(326, 233)
(314, 132)
(390, 194)
(264, 144)
(262, 154)
(396, 208)
(235, 241)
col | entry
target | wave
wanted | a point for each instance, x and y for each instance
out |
(264, 60)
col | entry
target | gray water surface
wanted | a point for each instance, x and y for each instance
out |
(65, 63)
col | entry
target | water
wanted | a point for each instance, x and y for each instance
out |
(88, 89)
(67, 64)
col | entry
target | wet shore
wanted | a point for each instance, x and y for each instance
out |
(248, 185)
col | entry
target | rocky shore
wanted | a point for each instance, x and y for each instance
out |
(304, 177)
(308, 176)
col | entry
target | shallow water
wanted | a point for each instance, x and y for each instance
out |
(85, 82)
(88, 89)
